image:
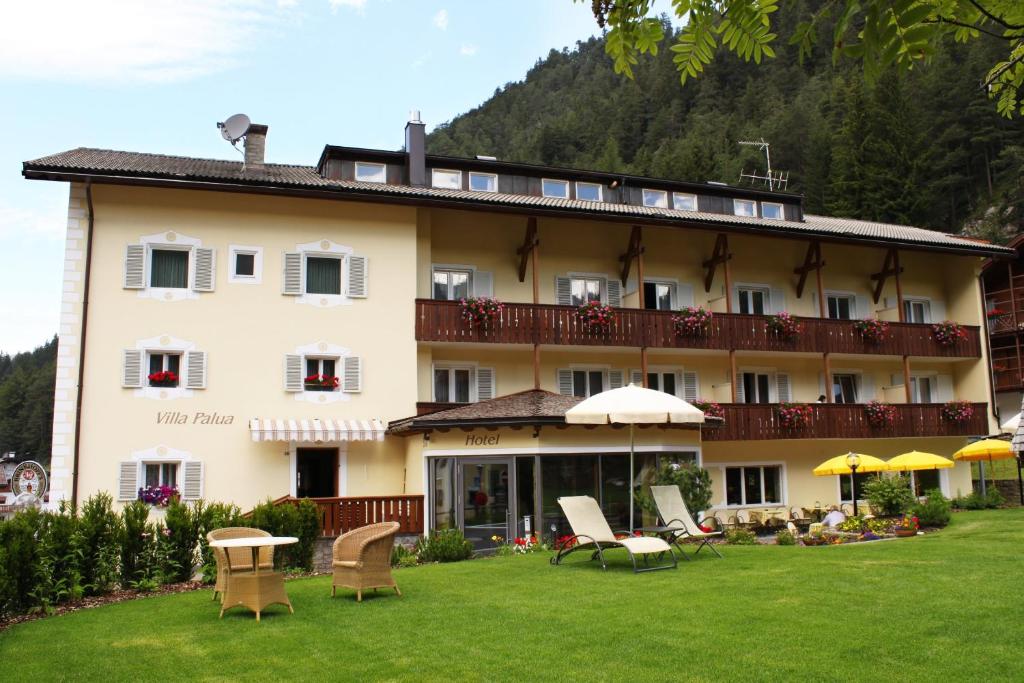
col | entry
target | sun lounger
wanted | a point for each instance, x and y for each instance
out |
(673, 512)
(591, 532)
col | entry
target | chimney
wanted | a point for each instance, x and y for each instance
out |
(416, 149)
(255, 145)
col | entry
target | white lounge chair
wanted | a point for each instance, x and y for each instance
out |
(591, 532)
(673, 512)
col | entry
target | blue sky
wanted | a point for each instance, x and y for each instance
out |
(156, 76)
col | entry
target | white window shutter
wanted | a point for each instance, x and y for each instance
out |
(128, 480)
(205, 269)
(483, 283)
(636, 377)
(935, 311)
(131, 368)
(192, 480)
(814, 305)
(897, 380)
(292, 280)
(614, 289)
(943, 388)
(778, 300)
(690, 386)
(358, 272)
(684, 295)
(563, 291)
(615, 379)
(135, 266)
(863, 306)
(891, 302)
(565, 382)
(484, 384)
(293, 375)
(741, 396)
(865, 388)
(735, 294)
(195, 373)
(352, 380)
(782, 389)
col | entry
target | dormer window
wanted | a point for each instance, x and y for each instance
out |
(590, 192)
(559, 189)
(656, 198)
(682, 201)
(446, 180)
(744, 207)
(483, 182)
(371, 173)
(772, 210)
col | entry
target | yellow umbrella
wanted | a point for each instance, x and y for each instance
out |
(839, 465)
(916, 460)
(986, 449)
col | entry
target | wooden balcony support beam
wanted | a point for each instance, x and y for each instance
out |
(908, 393)
(634, 252)
(720, 256)
(528, 248)
(812, 262)
(890, 268)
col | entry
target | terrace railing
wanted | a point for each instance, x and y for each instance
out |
(343, 514)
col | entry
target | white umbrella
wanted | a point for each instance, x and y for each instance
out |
(633, 405)
(1011, 425)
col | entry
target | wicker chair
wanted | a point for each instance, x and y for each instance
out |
(241, 558)
(362, 559)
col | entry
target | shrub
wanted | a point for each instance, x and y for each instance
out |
(301, 521)
(694, 483)
(993, 498)
(215, 516)
(934, 511)
(99, 542)
(974, 501)
(447, 545)
(740, 537)
(181, 537)
(307, 530)
(60, 577)
(134, 539)
(19, 562)
(785, 537)
(891, 496)
(403, 557)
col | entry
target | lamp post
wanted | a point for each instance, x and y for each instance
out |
(853, 462)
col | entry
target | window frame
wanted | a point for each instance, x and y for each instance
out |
(926, 308)
(319, 359)
(736, 203)
(485, 175)
(643, 198)
(588, 370)
(783, 487)
(600, 191)
(915, 387)
(602, 287)
(257, 265)
(779, 205)
(451, 368)
(383, 172)
(543, 189)
(433, 175)
(342, 260)
(452, 268)
(161, 464)
(766, 292)
(857, 383)
(673, 292)
(189, 260)
(851, 300)
(149, 353)
(660, 372)
(675, 202)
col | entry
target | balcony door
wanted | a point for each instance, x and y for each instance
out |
(485, 505)
(316, 472)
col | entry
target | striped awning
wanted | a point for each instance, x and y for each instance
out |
(316, 430)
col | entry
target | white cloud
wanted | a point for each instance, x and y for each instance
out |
(125, 40)
(48, 219)
(441, 20)
(422, 59)
(287, 3)
(467, 50)
(358, 5)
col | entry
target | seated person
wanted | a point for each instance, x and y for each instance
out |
(834, 518)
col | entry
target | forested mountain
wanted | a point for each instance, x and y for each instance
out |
(26, 401)
(925, 147)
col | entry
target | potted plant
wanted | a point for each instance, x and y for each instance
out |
(158, 496)
(795, 415)
(692, 321)
(906, 526)
(481, 311)
(872, 330)
(321, 383)
(995, 313)
(948, 333)
(596, 316)
(163, 379)
(709, 408)
(783, 325)
(880, 414)
(958, 411)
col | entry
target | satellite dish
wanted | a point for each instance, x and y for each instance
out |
(234, 128)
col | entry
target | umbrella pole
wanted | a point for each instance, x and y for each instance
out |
(632, 503)
(981, 467)
(1020, 482)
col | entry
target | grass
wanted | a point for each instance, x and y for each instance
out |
(944, 606)
(997, 469)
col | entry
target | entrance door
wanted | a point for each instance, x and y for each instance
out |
(485, 509)
(316, 472)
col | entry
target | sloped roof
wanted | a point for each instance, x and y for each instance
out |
(534, 406)
(118, 166)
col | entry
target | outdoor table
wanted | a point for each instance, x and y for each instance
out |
(254, 590)
(669, 534)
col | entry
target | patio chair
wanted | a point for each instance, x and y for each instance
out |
(799, 517)
(590, 531)
(673, 512)
(362, 559)
(241, 558)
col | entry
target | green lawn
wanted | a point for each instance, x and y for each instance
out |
(946, 606)
(1002, 469)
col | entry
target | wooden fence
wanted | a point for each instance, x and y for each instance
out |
(340, 515)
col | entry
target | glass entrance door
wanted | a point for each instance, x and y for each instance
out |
(484, 503)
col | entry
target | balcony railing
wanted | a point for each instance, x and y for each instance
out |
(441, 321)
(340, 515)
(752, 422)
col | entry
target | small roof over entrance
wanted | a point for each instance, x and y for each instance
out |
(315, 430)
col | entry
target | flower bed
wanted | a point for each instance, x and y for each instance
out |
(795, 415)
(784, 325)
(948, 333)
(596, 316)
(481, 311)
(880, 414)
(709, 408)
(873, 330)
(958, 411)
(692, 321)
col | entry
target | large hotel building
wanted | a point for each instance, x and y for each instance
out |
(244, 331)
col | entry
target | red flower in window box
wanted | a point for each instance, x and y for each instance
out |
(958, 411)
(948, 333)
(784, 325)
(321, 382)
(880, 414)
(596, 316)
(872, 330)
(481, 311)
(795, 415)
(709, 408)
(995, 312)
(165, 378)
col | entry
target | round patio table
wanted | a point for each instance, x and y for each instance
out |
(253, 589)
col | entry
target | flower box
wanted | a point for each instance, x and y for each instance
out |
(163, 379)
(597, 317)
(958, 411)
(880, 414)
(320, 383)
(158, 496)
(904, 533)
(795, 415)
(692, 321)
(995, 313)
(709, 408)
(872, 330)
(481, 311)
(948, 333)
(783, 325)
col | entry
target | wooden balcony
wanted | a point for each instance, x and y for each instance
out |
(753, 422)
(441, 321)
(340, 515)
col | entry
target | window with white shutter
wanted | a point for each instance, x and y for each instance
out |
(292, 274)
(205, 269)
(135, 266)
(195, 370)
(352, 378)
(483, 283)
(358, 272)
(192, 480)
(782, 388)
(565, 382)
(293, 377)
(128, 480)
(690, 386)
(563, 291)
(485, 388)
(614, 289)
(131, 368)
(615, 379)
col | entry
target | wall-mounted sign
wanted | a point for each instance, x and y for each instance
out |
(29, 477)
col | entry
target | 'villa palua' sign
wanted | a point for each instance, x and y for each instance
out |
(173, 417)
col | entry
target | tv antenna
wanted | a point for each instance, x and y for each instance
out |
(234, 129)
(773, 180)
